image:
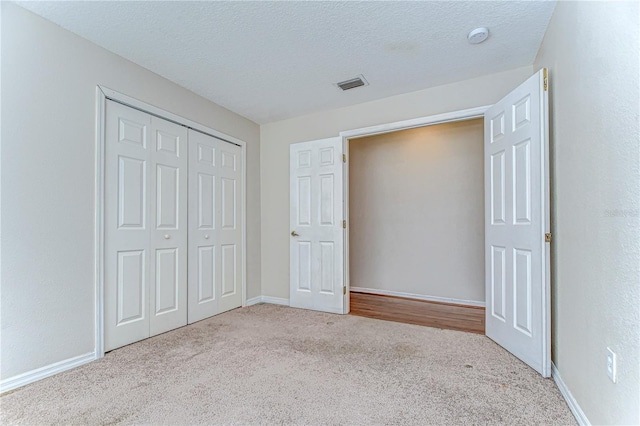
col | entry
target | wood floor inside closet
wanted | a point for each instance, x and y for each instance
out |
(420, 312)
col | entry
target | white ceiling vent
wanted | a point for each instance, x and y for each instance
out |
(352, 83)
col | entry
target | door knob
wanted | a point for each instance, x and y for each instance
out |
(167, 236)
(294, 234)
(206, 237)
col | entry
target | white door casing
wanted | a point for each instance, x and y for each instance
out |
(517, 209)
(145, 274)
(317, 234)
(215, 226)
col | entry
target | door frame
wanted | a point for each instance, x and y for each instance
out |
(448, 117)
(102, 95)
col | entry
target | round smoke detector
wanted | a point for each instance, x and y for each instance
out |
(478, 35)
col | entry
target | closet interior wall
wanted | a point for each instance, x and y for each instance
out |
(416, 212)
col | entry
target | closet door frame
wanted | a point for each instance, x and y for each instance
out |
(102, 95)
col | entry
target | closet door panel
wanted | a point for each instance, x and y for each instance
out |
(229, 230)
(168, 190)
(126, 230)
(204, 252)
(215, 234)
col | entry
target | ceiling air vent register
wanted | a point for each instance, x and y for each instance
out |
(352, 83)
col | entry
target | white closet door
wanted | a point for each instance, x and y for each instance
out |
(215, 226)
(126, 225)
(516, 177)
(204, 249)
(317, 234)
(145, 217)
(168, 220)
(230, 229)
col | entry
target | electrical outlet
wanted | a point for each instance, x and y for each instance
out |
(611, 365)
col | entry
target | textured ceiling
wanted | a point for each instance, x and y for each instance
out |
(274, 60)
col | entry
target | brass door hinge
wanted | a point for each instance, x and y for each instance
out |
(344, 290)
(344, 224)
(545, 80)
(547, 237)
(344, 158)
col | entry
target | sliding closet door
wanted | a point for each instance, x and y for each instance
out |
(215, 233)
(145, 226)
(168, 219)
(126, 225)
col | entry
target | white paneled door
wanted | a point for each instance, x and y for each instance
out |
(215, 226)
(516, 221)
(317, 234)
(168, 195)
(145, 226)
(126, 225)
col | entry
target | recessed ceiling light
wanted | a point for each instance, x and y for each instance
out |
(478, 35)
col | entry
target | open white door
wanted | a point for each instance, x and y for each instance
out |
(317, 234)
(516, 164)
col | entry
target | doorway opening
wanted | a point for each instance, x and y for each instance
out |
(416, 228)
(516, 219)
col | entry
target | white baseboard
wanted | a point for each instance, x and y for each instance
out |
(267, 299)
(46, 371)
(253, 301)
(577, 412)
(417, 296)
(275, 300)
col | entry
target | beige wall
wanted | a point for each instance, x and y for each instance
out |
(416, 211)
(592, 52)
(49, 77)
(275, 139)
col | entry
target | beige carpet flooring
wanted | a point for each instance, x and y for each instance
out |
(276, 365)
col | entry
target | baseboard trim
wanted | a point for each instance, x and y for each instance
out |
(577, 412)
(267, 299)
(417, 296)
(253, 301)
(46, 371)
(275, 300)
